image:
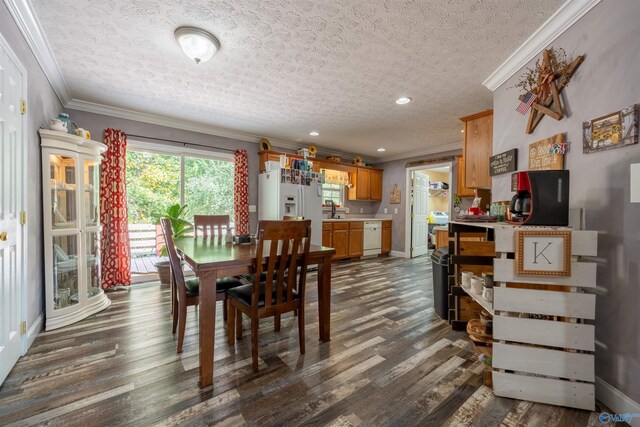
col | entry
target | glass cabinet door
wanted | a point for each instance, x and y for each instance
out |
(93, 263)
(65, 271)
(91, 173)
(62, 183)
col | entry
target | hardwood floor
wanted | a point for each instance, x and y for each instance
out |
(391, 361)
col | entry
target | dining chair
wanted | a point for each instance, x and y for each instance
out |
(283, 253)
(186, 292)
(211, 225)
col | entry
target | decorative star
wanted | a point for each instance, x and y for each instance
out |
(549, 102)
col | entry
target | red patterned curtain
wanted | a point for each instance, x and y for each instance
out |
(241, 192)
(116, 253)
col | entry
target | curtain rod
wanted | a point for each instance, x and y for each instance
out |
(181, 142)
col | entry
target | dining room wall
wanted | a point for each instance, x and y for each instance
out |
(97, 123)
(605, 82)
(42, 104)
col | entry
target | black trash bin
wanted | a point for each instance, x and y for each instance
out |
(440, 263)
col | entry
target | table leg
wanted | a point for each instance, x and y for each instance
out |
(207, 325)
(324, 298)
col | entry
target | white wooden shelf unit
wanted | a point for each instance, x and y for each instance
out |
(543, 360)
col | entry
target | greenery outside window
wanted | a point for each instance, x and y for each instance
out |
(156, 179)
(333, 192)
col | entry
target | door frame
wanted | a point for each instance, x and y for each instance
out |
(408, 207)
(22, 174)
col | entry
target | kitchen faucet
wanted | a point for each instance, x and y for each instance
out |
(333, 207)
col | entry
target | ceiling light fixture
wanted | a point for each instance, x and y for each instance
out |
(403, 100)
(382, 149)
(314, 133)
(197, 44)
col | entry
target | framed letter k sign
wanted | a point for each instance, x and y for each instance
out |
(543, 253)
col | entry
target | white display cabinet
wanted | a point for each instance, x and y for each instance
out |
(71, 215)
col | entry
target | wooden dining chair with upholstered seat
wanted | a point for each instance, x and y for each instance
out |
(186, 292)
(211, 225)
(283, 253)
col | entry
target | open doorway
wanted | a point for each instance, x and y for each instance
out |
(428, 205)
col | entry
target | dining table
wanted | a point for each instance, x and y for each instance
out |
(210, 259)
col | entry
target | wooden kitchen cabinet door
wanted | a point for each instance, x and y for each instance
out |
(461, 190)
(340, 240)
(375, 185)
(477, 148)
(363, 181)
(386, 237)
(327, 235)
(356, 242)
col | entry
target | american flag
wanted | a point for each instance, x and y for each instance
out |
(526, 102)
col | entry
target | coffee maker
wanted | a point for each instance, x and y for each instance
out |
(542, 198)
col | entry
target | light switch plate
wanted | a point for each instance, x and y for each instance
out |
(252, 208)
(395, 210)
(634, 187)
(386, 210)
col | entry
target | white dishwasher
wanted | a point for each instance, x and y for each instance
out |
(372, 238)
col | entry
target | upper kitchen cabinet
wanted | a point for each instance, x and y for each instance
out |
(366, 184)
(461, 190)
(477, 148)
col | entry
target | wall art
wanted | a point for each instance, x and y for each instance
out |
(619, 129)
(541, 158)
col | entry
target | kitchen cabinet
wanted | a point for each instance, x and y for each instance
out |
(340, 239)
(327, 234)
(71, 218)
(461, 190)
(386, 237)
(477, 148)
(356, 239)
(375, 185)
(366, 184)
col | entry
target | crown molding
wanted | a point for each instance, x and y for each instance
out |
(422, 152)
(156, 119)
(558, 23)
(30, 28)
(172, 122)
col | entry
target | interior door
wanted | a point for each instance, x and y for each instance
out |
(11, 159)
(419, 221)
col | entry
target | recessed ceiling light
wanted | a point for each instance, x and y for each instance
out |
(314, 133)
(197, 44)
(403, 100)
(381, 149)
(462, 131)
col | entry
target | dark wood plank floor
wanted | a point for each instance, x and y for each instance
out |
(391, 362)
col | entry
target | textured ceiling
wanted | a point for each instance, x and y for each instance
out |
(287, 67)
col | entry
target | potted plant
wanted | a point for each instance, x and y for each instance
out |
(179, 227)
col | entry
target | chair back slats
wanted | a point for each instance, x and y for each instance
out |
(211, 225)
(176, 268)
(285, 245)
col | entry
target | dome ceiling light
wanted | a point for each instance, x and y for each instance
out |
(197, 44)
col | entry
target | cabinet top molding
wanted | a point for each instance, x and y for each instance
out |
(477, 115)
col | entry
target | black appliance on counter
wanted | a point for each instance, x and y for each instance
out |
(542, 198)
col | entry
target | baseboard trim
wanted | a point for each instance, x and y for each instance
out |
(618, 402)
(32, 333)
(399, 254)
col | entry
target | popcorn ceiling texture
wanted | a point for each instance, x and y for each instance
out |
(286, 67)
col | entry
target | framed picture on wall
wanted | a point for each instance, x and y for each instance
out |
(543, 253)
(619, 129)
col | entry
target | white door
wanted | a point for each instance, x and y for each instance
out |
(11, 160)
(420, 220)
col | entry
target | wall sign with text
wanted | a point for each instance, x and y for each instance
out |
(503, 162)
(543, 253)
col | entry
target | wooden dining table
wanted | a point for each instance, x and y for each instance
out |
(210, 259)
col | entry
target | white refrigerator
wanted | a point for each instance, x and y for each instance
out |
(277, 199)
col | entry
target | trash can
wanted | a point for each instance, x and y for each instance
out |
(440, 263)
